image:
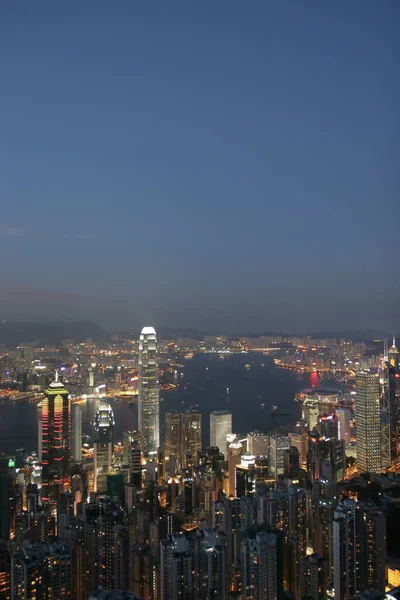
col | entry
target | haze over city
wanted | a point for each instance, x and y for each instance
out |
(213, 165)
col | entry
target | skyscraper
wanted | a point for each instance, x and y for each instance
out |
(368, 421)
(103, 446)
(76, 432)
(173, 436)
(191, 436)
(278, 443)
(220, 426)
(149, 392)
(343, 415)
(257, 443)
(259, 567)
(56, 441)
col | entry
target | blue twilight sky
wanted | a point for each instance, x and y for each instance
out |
(225, 165)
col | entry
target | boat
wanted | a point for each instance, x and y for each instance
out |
(277, 413)
(247, 367)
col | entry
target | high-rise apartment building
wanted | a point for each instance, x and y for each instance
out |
(103, 446)
(368, 422)
(220, 426)
(344, 550)
(56, 441)
(193, 566)
(40, 571)
(313, 577)
(359, 549)
(259, 567)
(149, 390)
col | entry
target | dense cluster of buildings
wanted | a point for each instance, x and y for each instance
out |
(302, 511)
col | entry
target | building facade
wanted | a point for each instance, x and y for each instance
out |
(149, 390)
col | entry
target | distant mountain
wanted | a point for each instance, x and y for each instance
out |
(13, 333)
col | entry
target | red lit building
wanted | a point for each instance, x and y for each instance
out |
(56, 441)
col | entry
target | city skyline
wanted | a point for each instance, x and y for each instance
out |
(254, 176)
(199, 324)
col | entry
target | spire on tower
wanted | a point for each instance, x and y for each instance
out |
(385, 351)
(56, 377)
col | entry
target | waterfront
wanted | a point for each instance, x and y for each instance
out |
(204, 382)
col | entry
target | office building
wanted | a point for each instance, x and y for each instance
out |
(245, 476)
(257, 443)
(56, 441)
(343, 415)
(278, 443)
(39, 429)
(368, 422)
(103, 446)
(7, 499)
(132, 454)
(76, 432)
(220, 426)
(310, 413)
(235, 451)
(191, 435)
(149, 390)
(173, 437)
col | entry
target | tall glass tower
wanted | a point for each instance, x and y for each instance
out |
(368, 421)
(149, 390)
(103, 446)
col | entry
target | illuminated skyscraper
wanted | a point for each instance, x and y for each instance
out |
(343, 415)
(368, 421)
(149, 390)
(76, 433)
(103, 446)
(393, 354)
(191, 437)
(173, 436)
(278, 443)
(220, 426)
(257, 443)
(56, 441)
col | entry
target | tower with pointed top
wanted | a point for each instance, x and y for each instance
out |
(56, 441)
(393, 354)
